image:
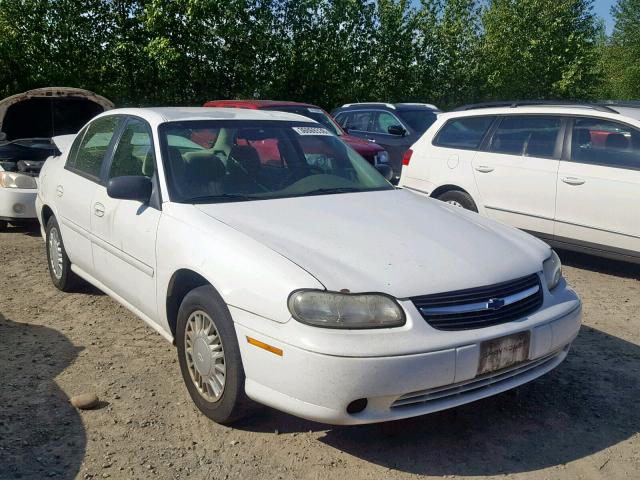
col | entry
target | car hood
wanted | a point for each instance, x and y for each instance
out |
(361, 146)
(392, 241)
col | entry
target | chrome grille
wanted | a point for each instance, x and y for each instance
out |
(483, 306)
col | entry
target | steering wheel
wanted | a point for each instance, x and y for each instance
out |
(298, 174)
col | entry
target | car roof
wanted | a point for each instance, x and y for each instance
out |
(391, 106)
(256, 104)
(613, 113)
(157, 115)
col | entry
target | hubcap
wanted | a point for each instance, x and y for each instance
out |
(205, 356)
(455, 203)
(55, 253)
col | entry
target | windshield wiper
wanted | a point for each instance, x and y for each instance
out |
(220, 197)
(320, 191)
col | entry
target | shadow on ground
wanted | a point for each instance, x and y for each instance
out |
(599, 264)
(589, 403)
(41, 434)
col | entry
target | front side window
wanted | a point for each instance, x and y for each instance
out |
(261, 160)
(528, 135)
(418, 120)
(464, 132)
(603, 142)
(383, 121)
(94, 145)
(134, 153)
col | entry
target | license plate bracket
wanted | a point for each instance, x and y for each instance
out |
(499, 353)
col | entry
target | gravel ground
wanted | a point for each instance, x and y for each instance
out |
(580, 421)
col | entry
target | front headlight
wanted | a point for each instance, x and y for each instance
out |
(552, 269)
(17, 180)
(345, 310)
(382, 157)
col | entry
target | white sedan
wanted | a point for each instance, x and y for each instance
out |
(288, 271)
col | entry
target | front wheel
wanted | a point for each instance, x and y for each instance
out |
(459, 199)
(209, 356)
(59, 265)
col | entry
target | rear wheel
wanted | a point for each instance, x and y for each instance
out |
(59, 265)
(209, 356)
(459, 199)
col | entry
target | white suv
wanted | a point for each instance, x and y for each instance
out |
(287, 270)
(568, 173)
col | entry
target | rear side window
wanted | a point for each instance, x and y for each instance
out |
(359, 121)
(94, 145)
(528, 135)
(603, 142)
(134, 153)
(465, 132)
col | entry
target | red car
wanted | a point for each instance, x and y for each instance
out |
(373, 153)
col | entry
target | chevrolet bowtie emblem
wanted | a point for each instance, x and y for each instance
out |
(495, 304)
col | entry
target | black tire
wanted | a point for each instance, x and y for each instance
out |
(67, 281)
(459, 199)
(232, 404)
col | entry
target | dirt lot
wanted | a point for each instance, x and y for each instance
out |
(580, 421)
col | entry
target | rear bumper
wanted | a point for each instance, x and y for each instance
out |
(17, 204)
(320, 387)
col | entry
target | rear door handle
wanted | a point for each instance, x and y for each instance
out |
(573, 180)
(59, 191)
(98, 209)
(484, 169)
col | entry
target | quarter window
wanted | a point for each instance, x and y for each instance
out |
(465, 132)
(94, 146)
(604, 142)
(528, 135)
(134, 154)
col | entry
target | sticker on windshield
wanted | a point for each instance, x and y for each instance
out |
(314, 110)
(311, 131)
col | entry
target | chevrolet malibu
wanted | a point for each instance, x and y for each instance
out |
(300, 279)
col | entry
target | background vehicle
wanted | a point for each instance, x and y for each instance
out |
(371, 152)
(27, 122)
(568, 173)
(255, 266)
(395, 127)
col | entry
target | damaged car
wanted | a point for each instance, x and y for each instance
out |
(28, 121)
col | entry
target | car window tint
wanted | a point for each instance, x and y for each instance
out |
(604, 142)
(466, 132)
(134, 153)
(358, 121)
(384, 120)
(419, 120)
(529, 135)
(94, 145)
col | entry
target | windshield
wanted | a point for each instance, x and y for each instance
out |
(418, 120)
(219, 161)
(313, 113)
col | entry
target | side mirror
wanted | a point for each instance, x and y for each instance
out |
(396, 130)
(385, 170)
(133, 187)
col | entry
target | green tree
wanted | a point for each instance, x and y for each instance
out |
(539, 49)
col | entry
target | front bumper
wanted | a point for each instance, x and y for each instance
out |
(319, 387)
(17, 204)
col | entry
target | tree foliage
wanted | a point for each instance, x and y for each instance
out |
(142, 52)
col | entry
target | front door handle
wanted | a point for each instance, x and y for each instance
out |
(484, 169)
(573, 180)
(98, 210)
(59, 190)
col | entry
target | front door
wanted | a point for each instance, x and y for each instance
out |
(599, 187)
(124, 248)
(516, 174)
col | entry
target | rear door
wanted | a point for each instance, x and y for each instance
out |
(77, 184)
(599, 187)
(124, 247)
(517, 171)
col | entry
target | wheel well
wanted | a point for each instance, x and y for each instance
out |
(47, 213)
(181, 283)
(447, 188)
